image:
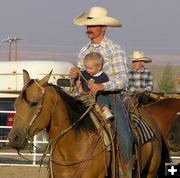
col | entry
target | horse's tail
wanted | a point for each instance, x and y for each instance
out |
(165, 158)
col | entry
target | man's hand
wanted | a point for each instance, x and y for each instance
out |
(94, 87)
(74, 72)
(140, 90)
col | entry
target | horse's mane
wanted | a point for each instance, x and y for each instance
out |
(165, 102)
(76, 109)
(143, 99)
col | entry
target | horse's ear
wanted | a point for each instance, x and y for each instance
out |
(26, 77)
(45, 80)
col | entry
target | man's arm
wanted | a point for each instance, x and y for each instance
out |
(149, 86)
(118, 78)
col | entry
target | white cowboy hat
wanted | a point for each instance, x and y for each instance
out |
(96, 16)
(139, 56)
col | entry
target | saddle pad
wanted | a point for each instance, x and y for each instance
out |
(105, 134)
(143, 130)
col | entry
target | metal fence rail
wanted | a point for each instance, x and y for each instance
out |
(9, 156)
(29, 157)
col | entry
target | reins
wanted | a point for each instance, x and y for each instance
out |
(70, 163)
(56, 139)
(72, 82)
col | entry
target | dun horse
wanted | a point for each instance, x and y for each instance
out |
(77, 148)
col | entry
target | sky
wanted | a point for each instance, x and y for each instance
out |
(152, 26)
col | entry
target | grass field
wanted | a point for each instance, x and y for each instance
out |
(157, 71)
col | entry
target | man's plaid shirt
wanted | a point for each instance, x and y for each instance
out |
(143, 79)
(114, 64)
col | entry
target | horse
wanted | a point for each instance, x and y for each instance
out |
(164, 112)
(76, 146)
(173, 136)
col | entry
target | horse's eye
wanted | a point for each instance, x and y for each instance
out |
(34, 104)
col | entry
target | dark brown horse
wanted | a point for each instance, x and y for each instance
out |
(77, 147)
(164, 112)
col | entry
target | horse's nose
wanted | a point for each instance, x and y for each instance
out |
(17, 139)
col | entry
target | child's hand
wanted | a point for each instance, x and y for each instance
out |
(74, 72)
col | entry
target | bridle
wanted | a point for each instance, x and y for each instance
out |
(37, 113)
(39, 107)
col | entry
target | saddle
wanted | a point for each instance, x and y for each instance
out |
(141, 131)
(110, 141)
(118, 167)
(142, 134)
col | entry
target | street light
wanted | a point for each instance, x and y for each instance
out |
(10, 41)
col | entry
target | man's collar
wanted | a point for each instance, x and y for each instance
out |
(102, 43)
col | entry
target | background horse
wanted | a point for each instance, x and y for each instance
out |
(77, 148)
(163, 110)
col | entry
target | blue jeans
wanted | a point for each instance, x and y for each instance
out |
(103, 100)
(121, 124)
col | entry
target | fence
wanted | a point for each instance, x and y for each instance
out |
(29, 157)
(32, 155)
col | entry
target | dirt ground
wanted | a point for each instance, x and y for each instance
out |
(26, 172)
(22, 172)
(36, 172)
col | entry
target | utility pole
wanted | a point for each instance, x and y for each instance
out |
(16, 47)
(10, 41)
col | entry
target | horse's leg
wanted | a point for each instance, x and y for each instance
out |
(155, 160)
(96, 167)
(152, 150)
(145, 155)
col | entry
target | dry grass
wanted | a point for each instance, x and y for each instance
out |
(157, 71)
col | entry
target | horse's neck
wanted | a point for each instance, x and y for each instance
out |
(68, 142)
(59, 120)
(163, 113)
(61, 128)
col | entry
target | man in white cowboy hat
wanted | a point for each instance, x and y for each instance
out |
(96, 21)
(140, 78)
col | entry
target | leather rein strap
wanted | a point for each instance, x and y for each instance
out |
(82, 167)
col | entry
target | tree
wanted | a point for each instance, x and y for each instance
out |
(166, 83)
